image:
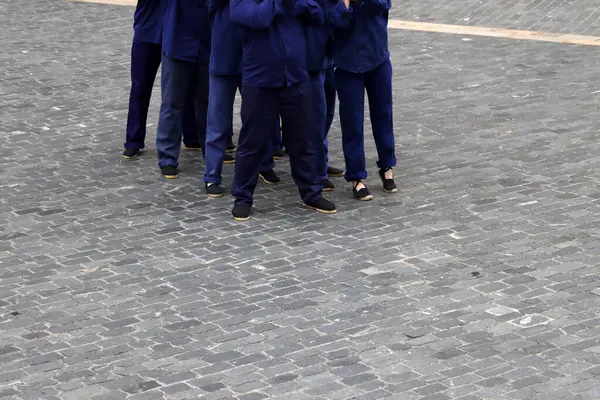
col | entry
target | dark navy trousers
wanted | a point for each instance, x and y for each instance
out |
(319, 118)
(330, 95)
(219, 128)
(145, 60)
(261, 107)
(182, 83)
(351, 94)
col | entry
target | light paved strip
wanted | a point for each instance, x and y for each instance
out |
(111, 2)
(453, 29)
(494, 32)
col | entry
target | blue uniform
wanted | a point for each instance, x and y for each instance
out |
(274, 53)
(225, 79)
(362, 61)
(147, 22)
(275, 83)
(184, 79)
(319, 59)
(146, 53)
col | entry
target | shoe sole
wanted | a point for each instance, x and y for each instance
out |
(229, 151)
(328, 189)
(170, 176)
(193, 148)
(336, 175)
(366, 198)
(391, 191)
(266, 181)
(229, 162)
(277, 158)
(320, 210)
(215, 196)
(241, 218)
(132, 157)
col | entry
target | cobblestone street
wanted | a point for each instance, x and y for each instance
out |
(479, 280)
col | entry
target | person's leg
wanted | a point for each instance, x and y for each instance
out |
(351, 95)
(259, 113)
(192, 119)
(330, 97)
(319, 115)
(276, 146)
(219, 123)
(378, 84)
(351, 92)
(145, 60)
(295, 109)
(175, 78)
(201, 103)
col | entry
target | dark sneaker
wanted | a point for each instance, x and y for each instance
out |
(169, 171)
(241, 212)
(327, 185)
(214, 190)
(132, 153)
(388, 184)
(278, 154)
(193, 147)
(363, 193)
(231, 147)
(269, 177)
(335, 172)
(228, 159)
(322, 205)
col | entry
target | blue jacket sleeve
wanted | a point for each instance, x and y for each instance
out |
(337, 15)
(310, 11)
(254, 14)
(378, 6)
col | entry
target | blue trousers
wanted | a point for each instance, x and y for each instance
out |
(351, 93)
(182, 83)
(330, 95)
(219, 127)
(319, 118)
(145, 60)
(261, 107)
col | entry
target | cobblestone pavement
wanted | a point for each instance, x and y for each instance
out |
(479, 280)
(559, 16)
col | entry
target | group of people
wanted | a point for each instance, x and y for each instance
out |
(288, 59)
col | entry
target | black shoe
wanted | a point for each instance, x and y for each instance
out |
(269, 177)
(388, 184)
(361, 194)
(231, 147)
(132, 153)
(169, 171)
(193, 147)
(327, 185)
(278, 154)
(322, 205)
(241, 212)
(335, 172)
(228, 159)
(214, 190)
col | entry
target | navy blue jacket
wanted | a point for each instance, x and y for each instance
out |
(360, 33)
(274, 39)
(186, 30)
(226, 44)
(147, 22)
(319, 46)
